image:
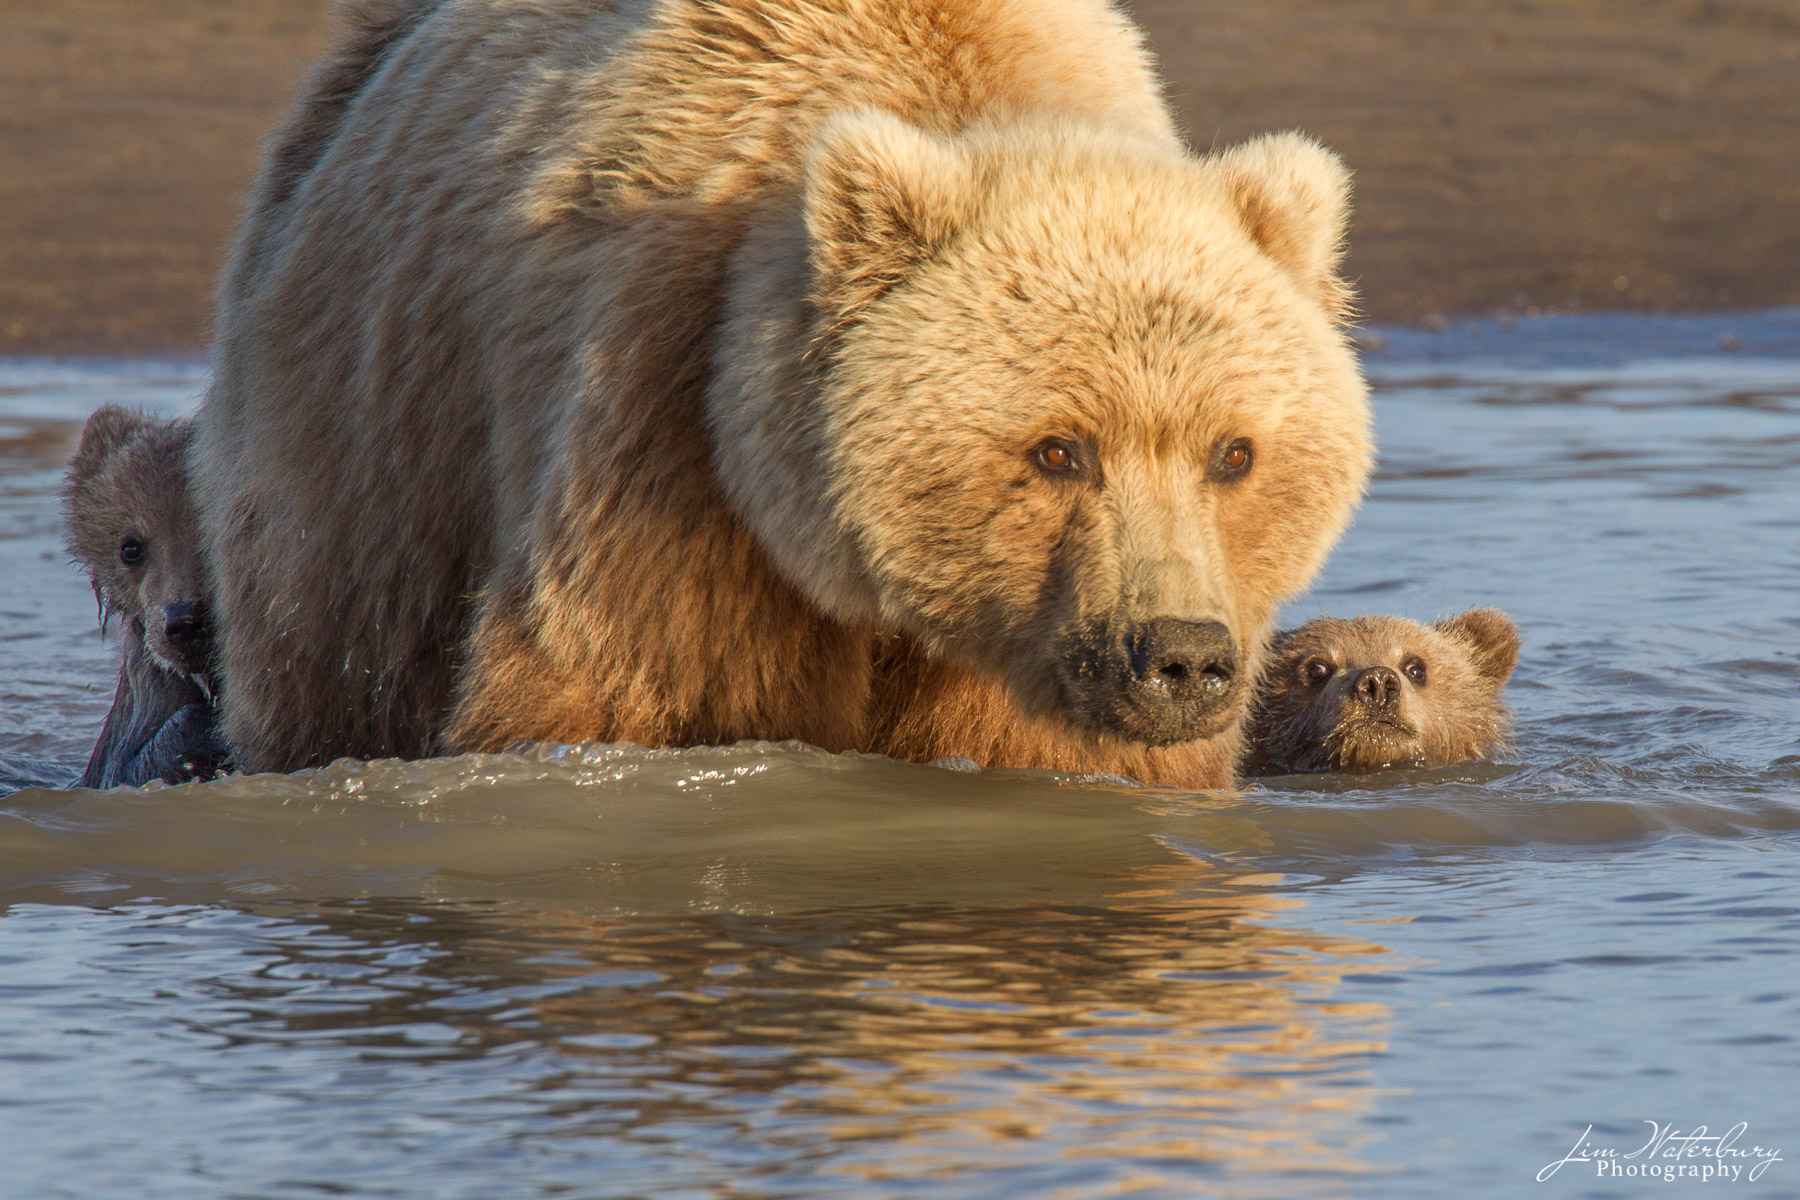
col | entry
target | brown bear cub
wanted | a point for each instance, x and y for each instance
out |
(131, 523)
(1376, 692)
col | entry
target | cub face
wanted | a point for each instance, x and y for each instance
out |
(1076, 411)
(1375, 692)
(131, 523)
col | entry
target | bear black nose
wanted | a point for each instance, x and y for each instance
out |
(185, 625)
(1186, 660)
(1376, 687)
(1158, 681)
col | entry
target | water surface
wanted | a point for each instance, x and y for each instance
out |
(766, 971)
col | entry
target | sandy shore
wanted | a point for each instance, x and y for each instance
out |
(1512, 155)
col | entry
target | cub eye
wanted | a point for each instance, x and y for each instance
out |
(131, 551)
(1233, 461)
(1057, 457)
(1316, 671)
(1414, 669)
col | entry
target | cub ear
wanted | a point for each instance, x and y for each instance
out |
(1492, 636)
(882, 198)
(105, 433)
(1294, 197)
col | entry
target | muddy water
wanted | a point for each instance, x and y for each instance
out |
(766, 971)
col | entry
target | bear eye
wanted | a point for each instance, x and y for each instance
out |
(131, 550)
(1414, 669)
(1233, 461)
(1316, 671)
(1056, 456)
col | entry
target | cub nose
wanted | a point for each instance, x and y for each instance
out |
(1376, 687)
(1188, 661)
(185, 625)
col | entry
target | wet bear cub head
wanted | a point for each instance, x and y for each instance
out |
(1375, 692)
(131, 523)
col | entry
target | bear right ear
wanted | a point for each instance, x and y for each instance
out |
(105, 433)
(1492, 636)
(1294, 198)
(882, 198)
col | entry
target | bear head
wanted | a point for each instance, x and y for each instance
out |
(1376, 692)
(131, 523)
(1059, 401)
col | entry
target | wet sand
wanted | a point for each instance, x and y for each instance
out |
(1509, 155)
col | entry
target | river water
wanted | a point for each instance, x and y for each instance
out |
(764, 971)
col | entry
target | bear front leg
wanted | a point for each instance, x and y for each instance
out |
(512, 690)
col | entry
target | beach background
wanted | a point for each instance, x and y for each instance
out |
(1511, 156)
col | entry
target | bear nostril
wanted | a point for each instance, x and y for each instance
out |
(1174, 671)
(1376, 686)
(1215, 679)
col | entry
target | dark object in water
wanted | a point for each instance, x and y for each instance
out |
(162, 726)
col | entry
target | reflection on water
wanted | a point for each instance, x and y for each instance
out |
(1020, 1048)
(767, 971)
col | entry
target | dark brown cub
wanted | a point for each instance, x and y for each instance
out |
(131, 524)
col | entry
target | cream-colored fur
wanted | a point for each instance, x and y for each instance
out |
(674, 371)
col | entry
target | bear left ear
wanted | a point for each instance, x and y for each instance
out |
(882, 198)
(1294, 197)
(1492, 636)
(107, 430)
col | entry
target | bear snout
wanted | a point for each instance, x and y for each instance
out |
(1159, 681)
(188, 633)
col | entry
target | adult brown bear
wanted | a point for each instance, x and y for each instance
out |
(878, 373)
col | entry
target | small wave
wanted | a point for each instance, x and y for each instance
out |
(763, 827)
